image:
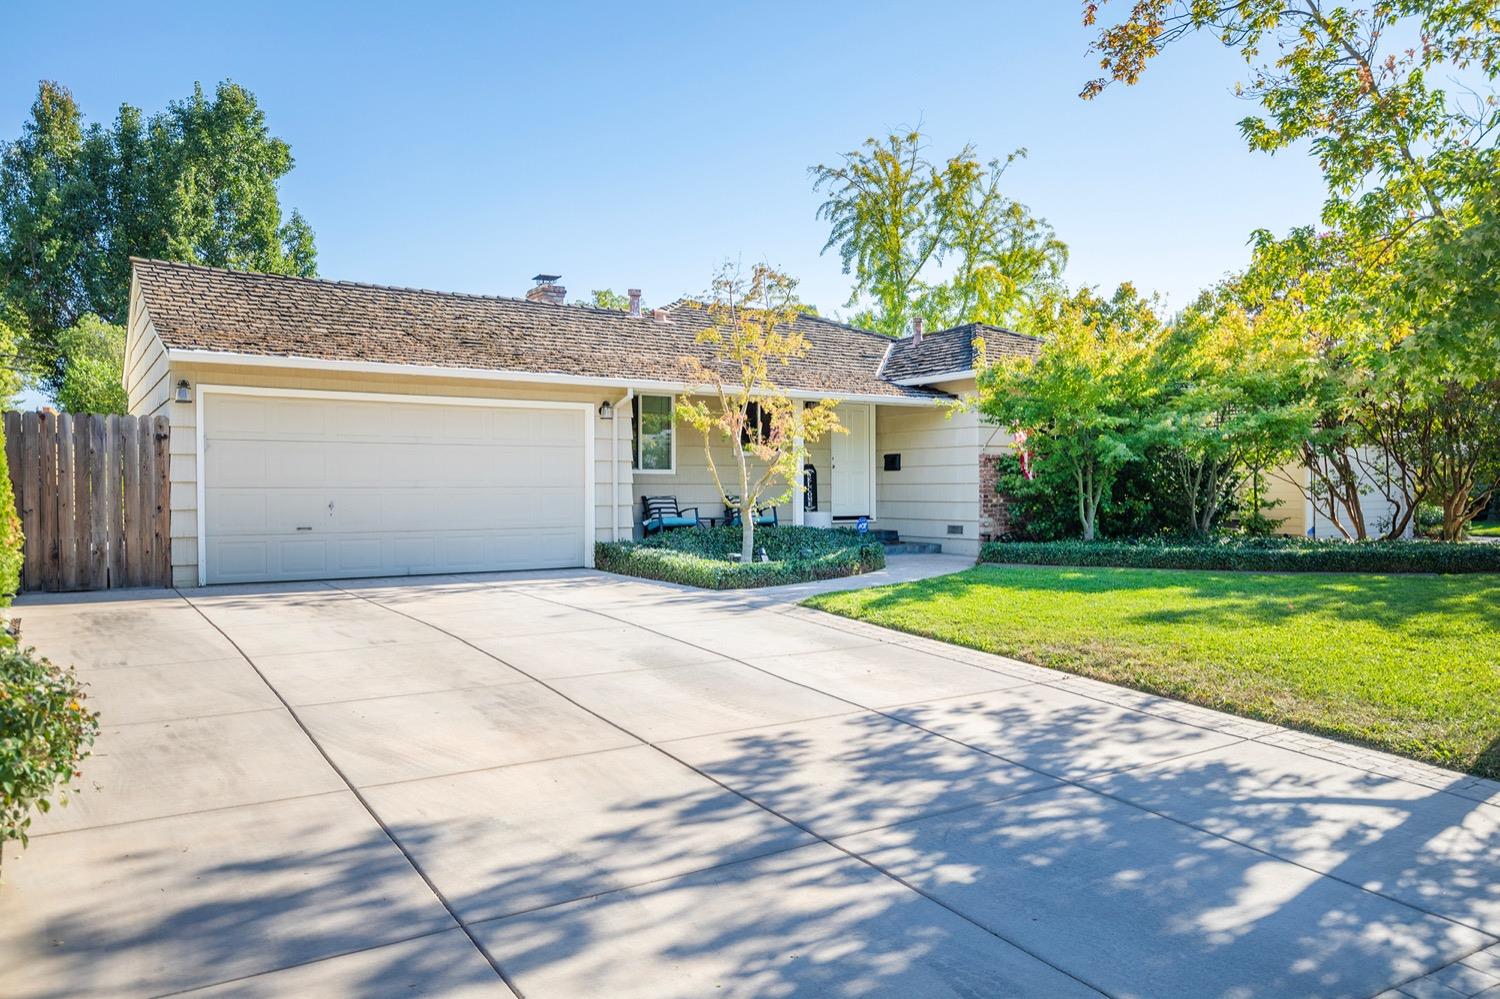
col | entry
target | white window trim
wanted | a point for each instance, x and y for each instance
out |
(671, 469)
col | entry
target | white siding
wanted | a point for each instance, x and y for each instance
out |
(147, 380)
(693, 482)
(938, 484)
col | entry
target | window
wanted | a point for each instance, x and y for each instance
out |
(755, 418)
(655, 449)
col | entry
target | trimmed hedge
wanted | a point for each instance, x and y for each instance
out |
(1255, 554)
(701, 556)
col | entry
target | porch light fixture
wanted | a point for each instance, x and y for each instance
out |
(184, 391)
(606, 410)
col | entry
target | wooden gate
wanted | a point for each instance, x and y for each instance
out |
(93, 493)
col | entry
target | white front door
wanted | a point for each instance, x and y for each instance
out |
(318, 487)
(853, 458)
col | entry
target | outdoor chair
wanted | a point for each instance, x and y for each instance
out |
(765, 516)
(661, 513)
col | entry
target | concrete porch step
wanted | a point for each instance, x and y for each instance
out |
(913, 548)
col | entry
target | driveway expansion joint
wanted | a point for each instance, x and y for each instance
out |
(363, 801)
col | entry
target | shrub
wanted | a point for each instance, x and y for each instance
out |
(10, 535)
(701, 557)
(1257, 554)
(1045, 507)
(45, 731)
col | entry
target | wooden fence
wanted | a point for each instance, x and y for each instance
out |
(93, 493)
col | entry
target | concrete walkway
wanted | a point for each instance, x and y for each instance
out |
(570, 784)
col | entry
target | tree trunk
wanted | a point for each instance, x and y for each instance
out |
(747, 533)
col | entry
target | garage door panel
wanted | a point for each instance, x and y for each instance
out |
(295, 464)
(249, 559)
(236, 463)
(554, 427)
(414, 487)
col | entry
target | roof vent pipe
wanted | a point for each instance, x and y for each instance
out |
(635, 302)
(660, 315)
(916, 330)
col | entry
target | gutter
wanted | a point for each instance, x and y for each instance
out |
(211, 357)
(945, 376)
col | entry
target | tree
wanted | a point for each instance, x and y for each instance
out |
(752, 330)
(93, 372)
(895, 217)
(1412, 171)
(1083, 401)
(1230, 404)
(606, 298)
(197, 182)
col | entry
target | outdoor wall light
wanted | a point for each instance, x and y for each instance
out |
(606, 410)
(184, 391)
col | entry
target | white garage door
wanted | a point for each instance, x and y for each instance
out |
(318, 488)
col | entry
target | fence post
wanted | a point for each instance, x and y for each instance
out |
(98, 557)
(67, 526)
(47, 503)
(31, 478)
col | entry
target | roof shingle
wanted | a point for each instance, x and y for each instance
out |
(952, 350)
(204, 308)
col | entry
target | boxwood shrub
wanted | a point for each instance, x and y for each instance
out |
(702, 556)
(1257, 554)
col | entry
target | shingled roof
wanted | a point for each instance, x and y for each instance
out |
(204, 308)
(950, 351)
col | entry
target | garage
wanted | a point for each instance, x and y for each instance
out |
(322, 485)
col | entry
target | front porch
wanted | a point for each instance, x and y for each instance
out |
(912, 471)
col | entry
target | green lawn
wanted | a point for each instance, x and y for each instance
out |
(1485, 530)
(1407, 663)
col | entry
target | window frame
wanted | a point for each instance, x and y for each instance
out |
(639, 438)
(761, 417)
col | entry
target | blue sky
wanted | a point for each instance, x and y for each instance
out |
(467, 147)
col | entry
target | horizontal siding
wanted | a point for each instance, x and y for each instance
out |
(147, 375)
(693, 481)
(1279, 484)
(938, 484)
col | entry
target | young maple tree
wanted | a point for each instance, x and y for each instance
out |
(752, 330)
(1080, 401)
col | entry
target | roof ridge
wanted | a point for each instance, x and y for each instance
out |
(372, 286)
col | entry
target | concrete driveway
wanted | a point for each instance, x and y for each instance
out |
(571, 785)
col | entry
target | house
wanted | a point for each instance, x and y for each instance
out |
(325, 429)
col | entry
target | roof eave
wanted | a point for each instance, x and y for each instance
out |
(182, 355)
(921, 381)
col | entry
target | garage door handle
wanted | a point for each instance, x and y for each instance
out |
(307, 528)
(330, 506)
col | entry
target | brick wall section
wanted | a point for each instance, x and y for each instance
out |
(994, 509)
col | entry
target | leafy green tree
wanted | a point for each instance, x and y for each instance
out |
(1083, 402)
(197, 182)
(1412, 171)
(606, 298)
(752, 330)
(1231, 405)
(895, 217)
(13, 366)
(94, 363)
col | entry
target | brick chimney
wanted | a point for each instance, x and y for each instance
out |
(635, 301)
(547, 290)
(916, 330)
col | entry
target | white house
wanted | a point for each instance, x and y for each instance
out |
(326, 429)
